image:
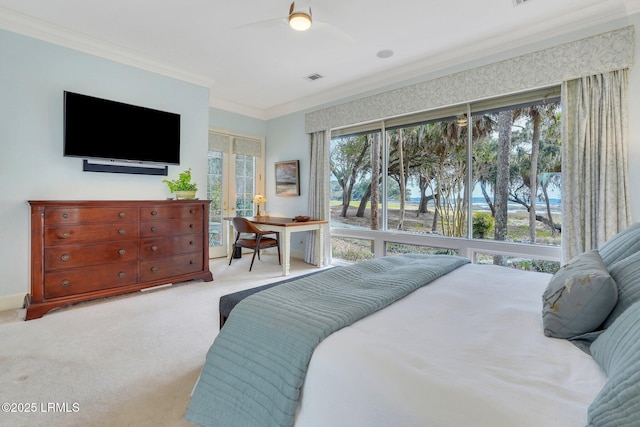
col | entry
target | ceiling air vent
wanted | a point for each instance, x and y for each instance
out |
(314, 77)
(519, 2)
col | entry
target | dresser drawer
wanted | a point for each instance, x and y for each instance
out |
(167, 246)
(74, 215)
(72, 256)
(170, 228)
(153, 213)
(161, 268)
(89, 233)
(63, 283)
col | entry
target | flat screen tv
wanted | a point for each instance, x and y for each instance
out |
(96, 128)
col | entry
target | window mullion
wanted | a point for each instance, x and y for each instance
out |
(385, 173)
(469, 184)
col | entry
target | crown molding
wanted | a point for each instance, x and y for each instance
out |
(234, 107)
(37, 29)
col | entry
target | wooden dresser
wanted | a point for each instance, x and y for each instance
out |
(81, 250)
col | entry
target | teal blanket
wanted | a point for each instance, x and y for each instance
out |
(257, 364)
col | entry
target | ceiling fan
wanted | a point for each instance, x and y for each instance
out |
(300, 19)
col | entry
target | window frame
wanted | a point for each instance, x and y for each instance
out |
(466, 246)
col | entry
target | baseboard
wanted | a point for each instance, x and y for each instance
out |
(10, 302)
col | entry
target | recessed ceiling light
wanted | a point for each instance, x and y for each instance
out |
(385, 53)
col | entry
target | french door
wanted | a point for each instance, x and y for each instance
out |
(234, 176)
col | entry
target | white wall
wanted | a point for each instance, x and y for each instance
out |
(33, 76)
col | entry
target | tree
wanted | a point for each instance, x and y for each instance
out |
(501, 194)
(375, 179)
(534, 114)
(349, 162)
(448, 175)
(401, 176)
(536, 135)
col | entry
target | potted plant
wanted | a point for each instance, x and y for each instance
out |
(183, 187)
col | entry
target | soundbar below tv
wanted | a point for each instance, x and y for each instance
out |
(107, 131)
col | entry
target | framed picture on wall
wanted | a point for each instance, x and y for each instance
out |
(288, 178)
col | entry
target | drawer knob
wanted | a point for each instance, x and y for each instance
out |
(191, 242)
(65, 215)
(121, 231)
(191, 262)
(154, 229)
(192, 211)
(154, 213)
(154, 248)
(65, 257)
(65, 283)
(121, 275)
(122, 252)
(66, 235)
(154, 269)
(192, 226)
(121, 214)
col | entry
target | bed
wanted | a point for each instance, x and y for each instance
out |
(409, 366)
(465, 348)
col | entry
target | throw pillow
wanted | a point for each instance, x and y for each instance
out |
(579, 297)
(617, 351)
(626, 274)
(622, 245)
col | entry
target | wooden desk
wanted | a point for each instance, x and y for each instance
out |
(285, 226)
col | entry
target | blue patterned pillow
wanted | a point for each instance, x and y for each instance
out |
(626, 273)
(617, 351)
(622, 245)
(579, 297)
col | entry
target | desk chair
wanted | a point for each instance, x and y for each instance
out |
(257, 242)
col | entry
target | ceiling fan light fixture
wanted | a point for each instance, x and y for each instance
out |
(299, 20)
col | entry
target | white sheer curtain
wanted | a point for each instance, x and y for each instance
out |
(595, 193)
(319, 191)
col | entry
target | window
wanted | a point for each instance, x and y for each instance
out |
(463, 172)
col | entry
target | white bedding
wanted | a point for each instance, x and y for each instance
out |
(465, 350)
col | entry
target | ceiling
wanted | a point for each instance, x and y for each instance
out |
(254, 64)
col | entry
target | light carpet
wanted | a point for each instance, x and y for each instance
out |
(130, 360)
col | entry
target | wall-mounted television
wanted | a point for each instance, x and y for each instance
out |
(102, 129)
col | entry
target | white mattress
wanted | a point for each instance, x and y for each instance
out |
(465, 350)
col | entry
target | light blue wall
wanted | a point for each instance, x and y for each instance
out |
(286, 140)
(33, 76)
